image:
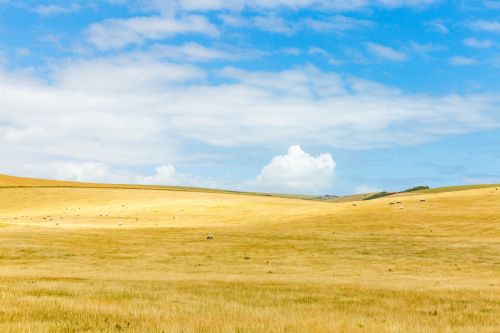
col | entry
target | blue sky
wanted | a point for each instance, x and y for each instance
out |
(301, 96)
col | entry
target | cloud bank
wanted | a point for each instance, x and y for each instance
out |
(138, 110)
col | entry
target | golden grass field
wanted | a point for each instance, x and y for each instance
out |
(89, 259)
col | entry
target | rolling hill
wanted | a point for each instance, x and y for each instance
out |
(94, 257)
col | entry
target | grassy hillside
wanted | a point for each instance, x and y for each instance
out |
(123, 260)
(350, 198)
(7, 181)
(448, 189)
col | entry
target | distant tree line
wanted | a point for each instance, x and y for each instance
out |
(385, 194)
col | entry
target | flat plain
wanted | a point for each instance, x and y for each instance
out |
(95, 258)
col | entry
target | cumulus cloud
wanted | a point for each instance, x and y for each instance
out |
(165, 174)
(297, 172)
(87, 171)
(168, 175)
(81, 171)
(91, 171)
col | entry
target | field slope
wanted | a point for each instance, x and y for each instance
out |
(95, 258)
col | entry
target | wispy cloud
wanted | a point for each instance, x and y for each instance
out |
(437, 26)
(336, 23)
(331, 5)
(53, 9)
(488, 26)
(117, 33)
(386, 52)
(327, 56)
(273, 23)
(493, 4)
(462, 61)
(425, 49)
(478, 43)
(192, 52)
(278, 24)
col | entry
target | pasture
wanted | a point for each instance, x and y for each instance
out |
(88, 259)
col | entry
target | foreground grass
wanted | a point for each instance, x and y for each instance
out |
(76, 260)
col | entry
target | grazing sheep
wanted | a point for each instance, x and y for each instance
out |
(422, 200)
(354, 204)
(210, 237)
(392, 203)
(401, 207)
(398, 202)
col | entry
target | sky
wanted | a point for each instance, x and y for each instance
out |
(292, 96)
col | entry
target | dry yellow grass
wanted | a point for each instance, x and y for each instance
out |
(136, 260)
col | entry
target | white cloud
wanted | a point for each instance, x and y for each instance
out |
(97, 172)
(270, 23)
(277, 24)
(87, 171)
(297, 172)
(462, 61)
(424, 49)
(488, 26)
(292, 82)
(493, 4)
(336, 23)
(53, 9)
(361, 189)
(386, 52)
(478, 44)
(165, 174)
(437, 26)
(273, 23)
(117, 33)
(328, 5)
(23, 52)
(211, 4)
(84, 171)
(193, 52)
(328, 57)
(123, 74)
(407, 3)
(137, 111)
(233, 20)
(292, 51)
